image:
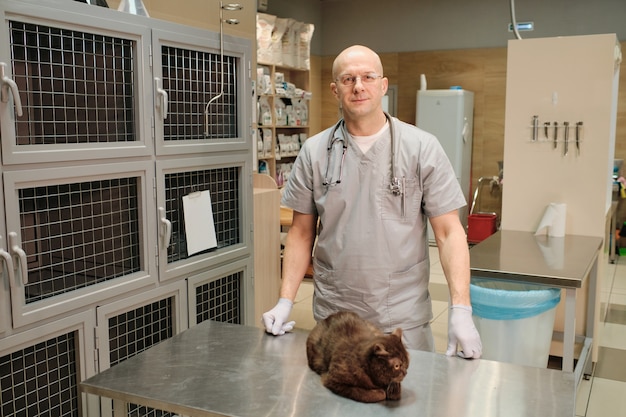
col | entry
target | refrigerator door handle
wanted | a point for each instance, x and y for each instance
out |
(465, 132)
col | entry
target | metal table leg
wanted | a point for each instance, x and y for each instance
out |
(569, 333)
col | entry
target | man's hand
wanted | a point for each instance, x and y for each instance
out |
(275, 320)
(461, 331)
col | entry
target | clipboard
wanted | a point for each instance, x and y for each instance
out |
(199, 224)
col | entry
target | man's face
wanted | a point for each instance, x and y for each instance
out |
(359, 85)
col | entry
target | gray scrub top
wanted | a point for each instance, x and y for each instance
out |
(371, 255)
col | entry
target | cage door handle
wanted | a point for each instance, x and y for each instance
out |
(8, 83)
(8, 261)
(162, 99)
(21, 255)
(166, 228)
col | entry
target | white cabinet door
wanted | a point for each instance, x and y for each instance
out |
(73, 91)
(78, 235)
(202, 100)
(227, 180)
(43, 366)
(6, 276)
(223, 294)
(130, 326)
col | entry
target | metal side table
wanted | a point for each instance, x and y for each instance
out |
(563, 262)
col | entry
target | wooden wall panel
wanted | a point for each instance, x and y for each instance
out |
(329, 103)
(315, 105)
(203, 14)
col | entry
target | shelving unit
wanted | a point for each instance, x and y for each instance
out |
(272, 152)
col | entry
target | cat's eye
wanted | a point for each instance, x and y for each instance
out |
(396, 366)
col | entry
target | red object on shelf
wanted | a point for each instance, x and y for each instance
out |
(480, 226)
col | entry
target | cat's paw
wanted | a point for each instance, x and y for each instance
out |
(394, 391)
(374, 396)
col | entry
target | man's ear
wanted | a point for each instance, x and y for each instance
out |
(334, 90)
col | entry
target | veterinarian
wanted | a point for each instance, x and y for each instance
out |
(372, 181)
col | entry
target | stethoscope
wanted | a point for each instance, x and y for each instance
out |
(335, 140)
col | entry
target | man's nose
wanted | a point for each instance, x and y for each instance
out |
(358, 84)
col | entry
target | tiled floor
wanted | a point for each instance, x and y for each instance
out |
(603, 395)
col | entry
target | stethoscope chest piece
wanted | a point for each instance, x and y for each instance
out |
(395, 186)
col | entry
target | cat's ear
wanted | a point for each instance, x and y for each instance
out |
(398, 332)
(379, 350)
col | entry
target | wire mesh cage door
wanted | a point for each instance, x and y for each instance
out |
(201, 102)
(75, 235)
(192, 78)
(133, 325)
(224, 180)
(40, 371)
(28, 391)
(73, 90)
(223, 294)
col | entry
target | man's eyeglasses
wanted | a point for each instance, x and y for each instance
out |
(349, 80)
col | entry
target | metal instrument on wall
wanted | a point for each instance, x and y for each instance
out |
(552, 133)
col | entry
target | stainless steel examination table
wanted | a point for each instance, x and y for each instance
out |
(562, 262)
(218, 369)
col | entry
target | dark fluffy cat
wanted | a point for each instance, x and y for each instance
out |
(356, 360)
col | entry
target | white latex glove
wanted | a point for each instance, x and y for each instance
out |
(274, 320)
(461, 331)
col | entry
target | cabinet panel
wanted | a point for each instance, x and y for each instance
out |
(200, 103)
(77, 93)
(266, 249)
(228, 181)
(77, 240)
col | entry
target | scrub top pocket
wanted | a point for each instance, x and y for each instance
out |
(403, 207)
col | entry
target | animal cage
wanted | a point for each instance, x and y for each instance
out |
(129, 327)
(223, 178)
(223, 184)
(79, 234)
(191, 78)
(200, 94)
(103, 123)
(42, 379)
(219, 294)
(68, 77)
(73, 90)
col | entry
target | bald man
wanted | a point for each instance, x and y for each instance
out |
(372, 182)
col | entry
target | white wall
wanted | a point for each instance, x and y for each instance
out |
(564, 88)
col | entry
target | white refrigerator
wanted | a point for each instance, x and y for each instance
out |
(449, 114)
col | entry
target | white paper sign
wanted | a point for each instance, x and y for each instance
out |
(199, 226)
